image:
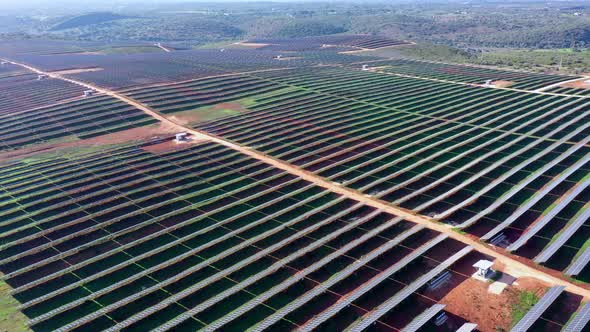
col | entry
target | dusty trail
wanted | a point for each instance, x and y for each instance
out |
(549, 87)
(162, 47)
(363, 49)
(513, 266)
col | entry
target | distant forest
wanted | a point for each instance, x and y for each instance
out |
(498, 24)
(530, 35)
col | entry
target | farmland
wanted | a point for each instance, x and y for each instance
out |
(322, 194)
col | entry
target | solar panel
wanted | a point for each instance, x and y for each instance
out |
(578, 323)
(579, 220)
(561, 204)
(369, 318)
(531, 317)
(333, 310)
(423, 318)
(343, 274)
(467, 327)
(579, 264)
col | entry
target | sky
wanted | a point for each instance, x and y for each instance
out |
(8, 7)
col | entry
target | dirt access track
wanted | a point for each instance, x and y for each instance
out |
(515, 268)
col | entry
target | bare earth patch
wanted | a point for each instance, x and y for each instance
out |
(472, 301)
(76, 71)
(581, 84)
(171, 145)
(253, 45)
(368, 50)
(502, 84)
(134, 134)
(229, 105)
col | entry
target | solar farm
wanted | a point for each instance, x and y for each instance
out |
(291, 186)
(330, 43)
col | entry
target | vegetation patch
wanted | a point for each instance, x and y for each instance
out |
(526, 301)
(311, 28)
(433, 52)
(11, 320)
(205, 113)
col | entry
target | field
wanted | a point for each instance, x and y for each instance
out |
(494, 162)
(237, 228)
(23, 91)
(193, 94)
(37, 111)
(80, 119)
(45, 47)
(203, 235)
(569, 91)
(468, 74)
(135, 70)
(330, 43)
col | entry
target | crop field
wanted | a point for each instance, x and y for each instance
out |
(468, 74)
(509, 166)
(330, 43)
(125, 238)
(23, 92)
(79, 119)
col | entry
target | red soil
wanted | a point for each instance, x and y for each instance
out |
(230, 106)
(185, 118)
(578, 84)
(502, 84)
(170, 146)
(541, 268)
(471, 300)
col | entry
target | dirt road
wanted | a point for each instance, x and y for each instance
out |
(549, 87)
(515, 267)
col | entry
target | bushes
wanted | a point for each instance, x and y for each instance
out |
(309, 28)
